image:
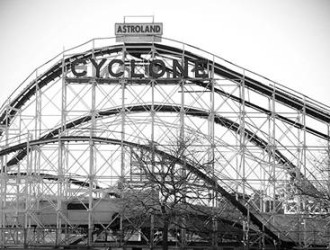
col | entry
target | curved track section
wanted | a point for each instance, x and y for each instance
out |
(138, 49)
(225, 122)
(69, 143)
(194, 169)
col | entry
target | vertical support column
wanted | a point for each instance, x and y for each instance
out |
(28, 183)
(271, 154)
(3, 203)
(183, 148)
(92, 157)
(64, 147)
(61, 156)
(123, 121)
(59, 193)
(242, 132)
(122, 164)
(92, 160)
(19, 177)
(242, 141)
(303, 159)
(36, 151)
(152, 218)
(211, 159)
(299, 211)
(4, 181)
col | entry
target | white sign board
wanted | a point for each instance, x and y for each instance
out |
(138, 31)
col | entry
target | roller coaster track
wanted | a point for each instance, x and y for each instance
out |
(289, 100)
(54, 178)
(8, 113)
(138, 49)
(193, 169)
(225, 122)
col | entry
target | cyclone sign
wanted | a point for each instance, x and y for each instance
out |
(154, 68)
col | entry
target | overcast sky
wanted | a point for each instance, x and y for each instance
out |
(287, 41)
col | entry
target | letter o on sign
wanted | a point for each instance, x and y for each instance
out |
(157, 68)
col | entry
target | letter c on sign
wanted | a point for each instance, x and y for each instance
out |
(119, 74)
(74, 70)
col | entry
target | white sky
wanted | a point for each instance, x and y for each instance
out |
(287, 41)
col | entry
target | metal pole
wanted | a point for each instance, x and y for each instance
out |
(37, 133)
(272, 159)
(5, 177)
(92, 156)
(152, 218)
(183, 143)
(60, 171)
(242, 154)
(304, 161)
(298, 176)
(211, 158)
(122, 168)
(27, 223)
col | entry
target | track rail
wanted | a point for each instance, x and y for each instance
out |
(225, 122)
(195, 169)
(295, 102)
(54, 178)
(136, 50)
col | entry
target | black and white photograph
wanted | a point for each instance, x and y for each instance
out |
(165, 125)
